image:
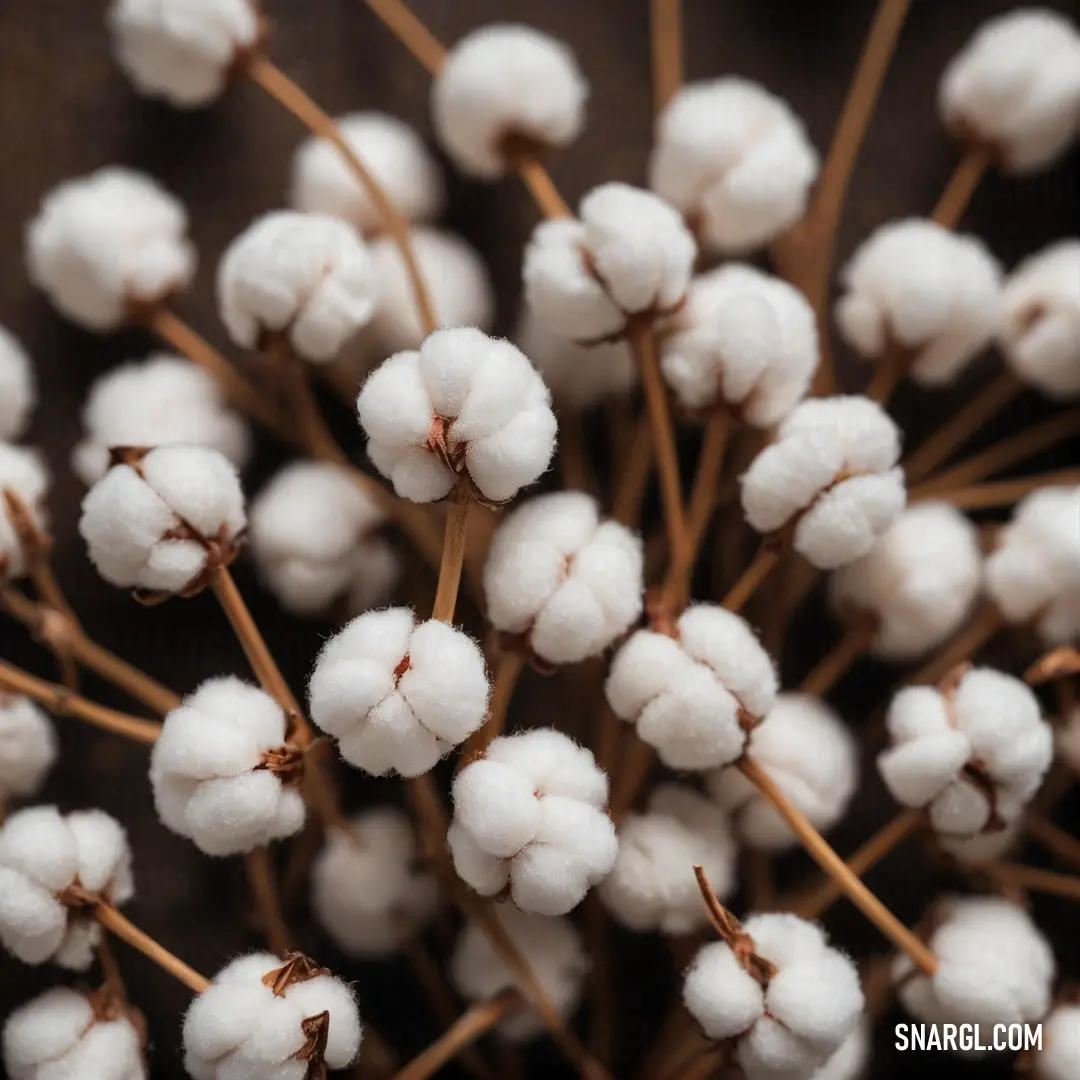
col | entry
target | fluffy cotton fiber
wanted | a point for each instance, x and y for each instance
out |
(18, 387)
(1060, 1055)
(22, 472)
(851, 1060)
(28, 747)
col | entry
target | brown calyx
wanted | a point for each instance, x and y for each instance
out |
(297, 968)
(742, 945)
(516, 148)
(403, 665)
(77, 897)
(316, 1031)
(440, 442)
(286, 762)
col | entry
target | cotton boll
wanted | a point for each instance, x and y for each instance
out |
(744, 340)
(1059, 1058)
(988, 847)
(851, 1060)
(1016, 86)
(28, 747)
(804, 747)
(503, 86)
(23, 472)
(919, 581)
(18, 387)
(735, 160)
(566, 580)
(108, 244)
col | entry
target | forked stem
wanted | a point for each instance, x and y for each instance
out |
(121, 927)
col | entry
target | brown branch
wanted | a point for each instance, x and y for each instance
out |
(1003, 492)
(633, 475)
(262, 881)
(665, 36)
(858, 637)
(764, 562)
(1036, 880)
(986, 623)
(509, 669)
(1059, 663)
(961, 186)
(1058, 842)
(453, 558)
(126, 931)
(411, 32)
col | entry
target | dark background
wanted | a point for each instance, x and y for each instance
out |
(65, 109)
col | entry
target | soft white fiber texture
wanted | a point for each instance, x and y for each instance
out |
(921, 287)
(314, 535)
(1016, 86)
(238, 1028)
(551, 947)
(1035, 572)
(42, 852)
(851, 1060)
(652, 885)
(398, 694)
(745, 340)
(692, 697)
(28, 747)
(532, 815)
(990, 722)
(1060, 1055)
(629, 254)
(795, 1024)
(563, 577)
(920, 580)
(18, 386)
(130, 516)
(209, 775)
(153, 402)
(982, 848)
(24, 473)
(107, 243)
(480, 395)
(834, 467)
(735, 160)
(1040, 332)
(506, 82)
(810, 755)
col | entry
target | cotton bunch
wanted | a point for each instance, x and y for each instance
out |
(163, 399)
(242, 1027)
(652, 885)
(42, 855)
(735, 160)
(397, 693)
(464, 404)
(789, 1024)
(23, 473)
(531, 815)
(223, 773)
(806, 750)
(974, 754)
(502, 89)
(629, 254)
(919, 581)
(567, 580)
(1059, 1058)
(551, 948)
(18, 387)
(1015, 86)
(917, 286)
(1034, 575)
(163, 520)
(106, 246)
(695, 696)
(744, 340)
(28, 747)
(366, 889)
(314, 535)
(831, 477)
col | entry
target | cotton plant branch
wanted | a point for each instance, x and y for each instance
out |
(961, 186)
(828, 671)
(665, 35)
(980, 629)
(1034, 879)
(1003, 493)
(1061, 844)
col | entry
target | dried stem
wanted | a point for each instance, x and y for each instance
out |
(633, 478)
(510, 666)
(665, 30)
(577, 474)
(831, 668)
(889, 372)
(542, 188)
(1059, 663)
(453, 559)
(1036, 880)
(961, 186)
(411, 32)
(635, 767)
(602, 1004)
(764, 562)
(983, 627)
(264, 888)
(1003, 492)
(1058, 842)
(122, 928)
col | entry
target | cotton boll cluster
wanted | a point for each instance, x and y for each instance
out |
(831, 477)
(49, 863)
(806, 750)
(463, 405)
(106, 246)
(974, 753)
(744, 340)
(504, 88)
(735, 160)
(223, 771)
(259, 1018)
(1060, 1055)
(398, 694)
(851, 1060)
(695, 696)
(28, 747)
(24, 474)
(629, 254)
(652, 885)
(1016, 87)
(164, 520)
(919, 581)
(920, 287)
(567, 580)
(18, 387)
(531, 815)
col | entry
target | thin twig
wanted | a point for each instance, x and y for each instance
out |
(262, 881)
(453, 559)
(961, 186)
(665, 33)
(119, 926)
(1003, 492)
(1035, 879)
(764, 562)
(510, 666)
(831, 668)
(1058, 842)
(986, 623)
(411, 32)
(633, 475)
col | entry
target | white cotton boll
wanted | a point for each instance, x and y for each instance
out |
(567, 580)
(804, 747)
(919, 581)
(24, 473)
(1034, 575)
(922, 287)
(105, 245)
(463, 404)
(1059, 1058)
(851, 1060)
(1016, 86)
(366, 889)
(1040, 332)
(18, 387)
(735, 160)
(551, 947)
(28, 747)
(743, 339)
(988, 847)
(502, 85)
(652, 885)
(629, 254)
